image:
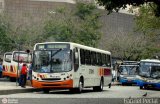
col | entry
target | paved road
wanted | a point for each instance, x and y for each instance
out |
(88, 96)
(114, 92)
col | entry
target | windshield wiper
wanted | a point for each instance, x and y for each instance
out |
(56, 52)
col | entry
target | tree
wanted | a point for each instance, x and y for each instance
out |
(128, 46)
(80, 25)
(111, 5)
(26, 32)
(148, 24)
(5, 41)
(146, 21)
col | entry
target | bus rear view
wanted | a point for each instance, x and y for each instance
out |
(12, 60)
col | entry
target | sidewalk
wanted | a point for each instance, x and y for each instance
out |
(7, 87)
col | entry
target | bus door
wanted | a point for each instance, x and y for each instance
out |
(76, 67)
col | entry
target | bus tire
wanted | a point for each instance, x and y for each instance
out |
(46, 91)
(141, 87)
(12, 79)
(80, 86)
(100, 87)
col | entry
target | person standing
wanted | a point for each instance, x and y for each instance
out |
(1, 68)
(23, 75)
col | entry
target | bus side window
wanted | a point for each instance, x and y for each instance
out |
(76, 59)
(108, 62)
(82, 56)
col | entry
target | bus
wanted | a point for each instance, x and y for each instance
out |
(67, 65)
(128, 72)
(11, 61)
(149, 74)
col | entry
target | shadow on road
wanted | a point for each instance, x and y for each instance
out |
(153, 89)
(69, 92)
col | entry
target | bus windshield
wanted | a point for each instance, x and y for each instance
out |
(129, 70)
(23, 57)
(150, 69)
(8, 57)
(51, 61)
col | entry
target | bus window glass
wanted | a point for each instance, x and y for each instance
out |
(8, 57)
(145, 69)
(129, 69)
(155, 71)
(23, 57)
(108, 62)
(82, 56)
(52, 61)
(123, 70)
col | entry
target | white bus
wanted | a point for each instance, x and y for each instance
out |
(10, 63)
(66, 65)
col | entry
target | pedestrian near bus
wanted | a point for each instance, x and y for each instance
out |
(23, 75)
(1, 68)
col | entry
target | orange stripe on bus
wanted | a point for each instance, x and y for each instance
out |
(59, 84)
(99, 71)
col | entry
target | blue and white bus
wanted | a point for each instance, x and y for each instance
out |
(149, 74)
(128, 72)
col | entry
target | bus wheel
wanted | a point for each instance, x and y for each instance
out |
(80, 87)
(12, 79)
(100, 87)
(141, 87)
(46, 91)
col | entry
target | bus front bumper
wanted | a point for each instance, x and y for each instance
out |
(148, 84)
(128, 81)
(66, 84)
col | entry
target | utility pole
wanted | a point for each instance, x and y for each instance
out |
(18, 65)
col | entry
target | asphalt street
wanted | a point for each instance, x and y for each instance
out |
(113, 95)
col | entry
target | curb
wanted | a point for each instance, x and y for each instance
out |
(14, 91)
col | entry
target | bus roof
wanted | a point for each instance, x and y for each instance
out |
(8, 53)
(13, 52)
(129, 65)
(151, 60)
(78, 45)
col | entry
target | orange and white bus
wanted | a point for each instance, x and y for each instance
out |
(66, 65)
(10, 63)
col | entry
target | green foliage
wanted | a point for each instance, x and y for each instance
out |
(149, 25)
(146, 21)
(111, 5)
(5, 41)
(81, 26)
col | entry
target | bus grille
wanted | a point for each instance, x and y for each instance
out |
(51, 84)
(51, 79)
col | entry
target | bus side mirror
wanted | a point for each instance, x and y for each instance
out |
(76, 59)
